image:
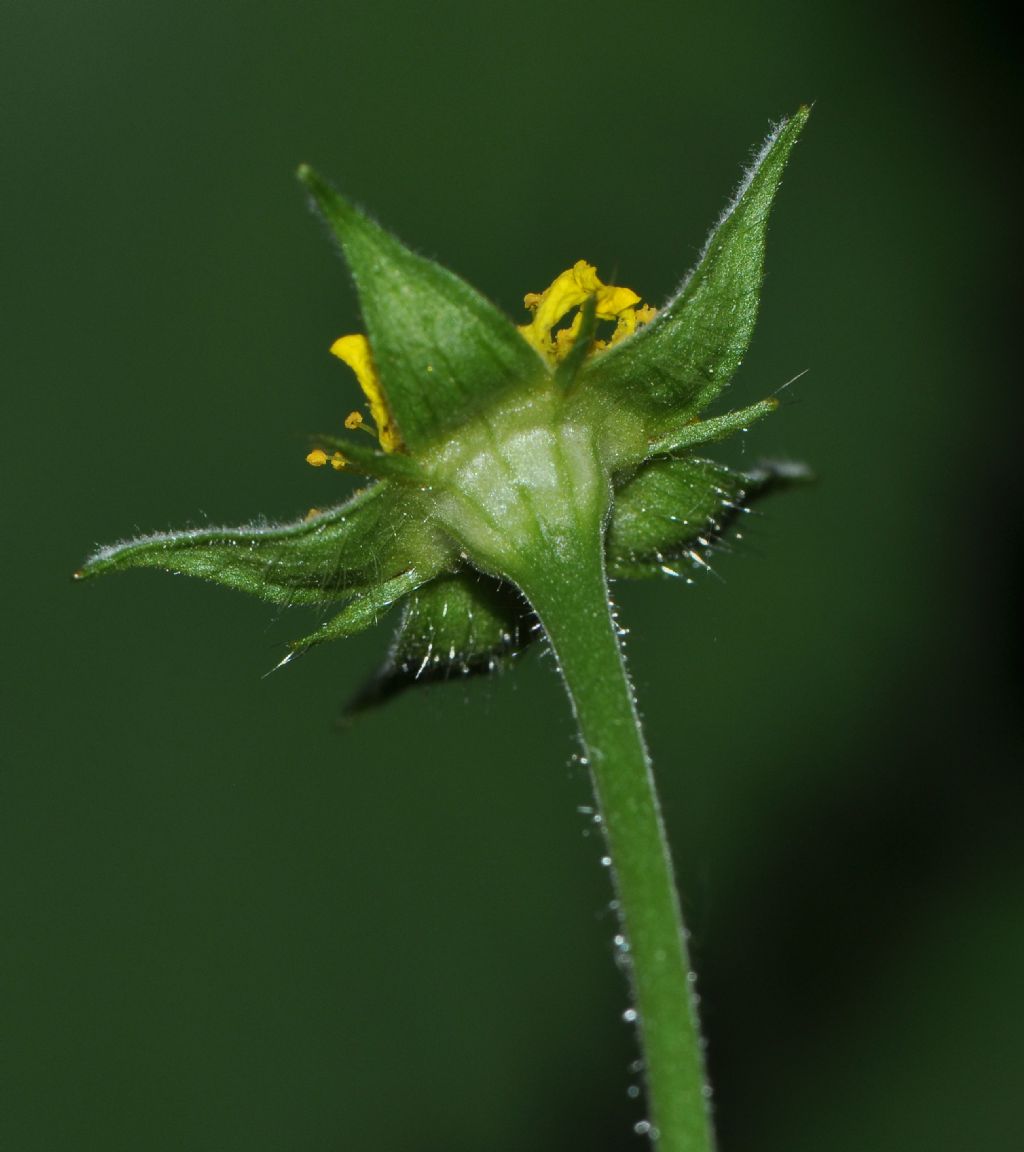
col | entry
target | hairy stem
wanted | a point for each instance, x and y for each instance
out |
(573, 605)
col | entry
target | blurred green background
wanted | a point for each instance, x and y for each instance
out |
(230, 923)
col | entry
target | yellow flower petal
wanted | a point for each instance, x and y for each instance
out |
(355, 351)
(568, 291)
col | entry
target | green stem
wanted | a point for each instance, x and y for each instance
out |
(573, 604)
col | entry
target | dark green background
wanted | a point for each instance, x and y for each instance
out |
(229, 925)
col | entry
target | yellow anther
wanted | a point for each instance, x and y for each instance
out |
(569, 291)
(355, 351)
(318, 458)
(354, 420)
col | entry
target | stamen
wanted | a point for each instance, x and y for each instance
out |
(355, 421)
(318, 458)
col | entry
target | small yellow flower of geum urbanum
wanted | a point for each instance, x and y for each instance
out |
(514, 470)
(497, 450)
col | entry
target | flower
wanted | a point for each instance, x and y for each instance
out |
(498, 452)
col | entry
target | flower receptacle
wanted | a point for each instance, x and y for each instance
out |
(522, 485)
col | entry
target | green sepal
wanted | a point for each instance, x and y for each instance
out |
(690, 433)
(678, 363)
(568, 368)
(363, 611)
(458, 625)
(441, 349)
(673, 512)
(325, 556)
